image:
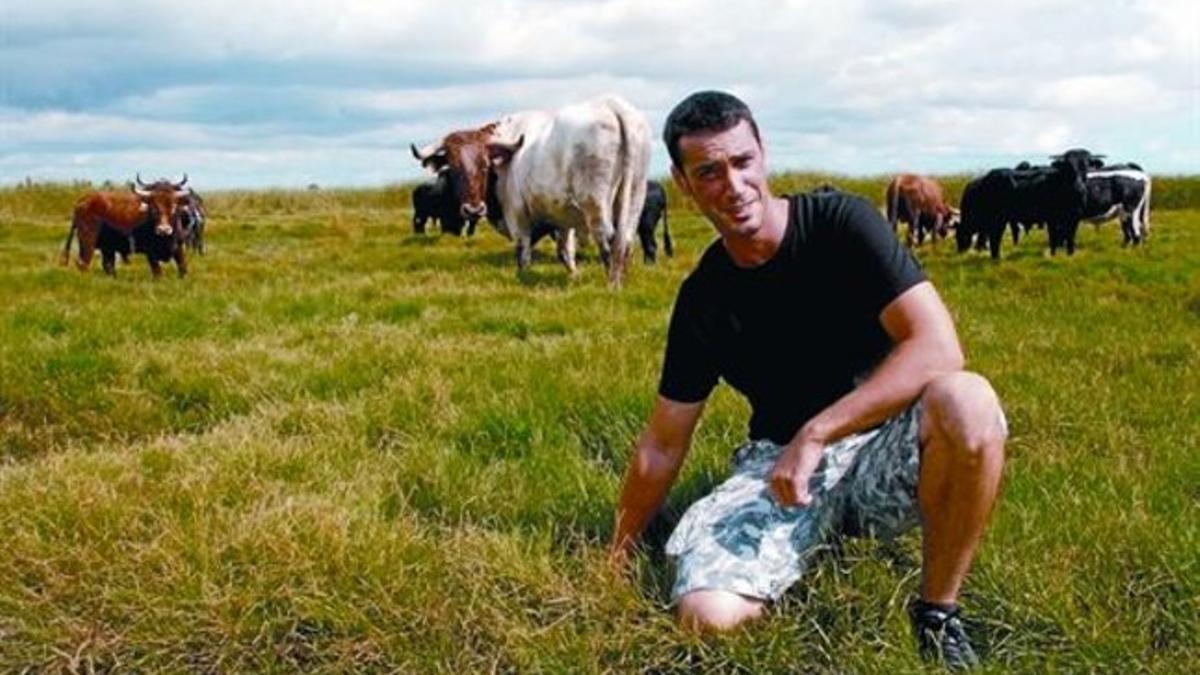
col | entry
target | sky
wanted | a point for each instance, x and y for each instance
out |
(258, 93)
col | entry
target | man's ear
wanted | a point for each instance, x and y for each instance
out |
(680, 181)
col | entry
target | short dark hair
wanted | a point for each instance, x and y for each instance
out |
(710, 111)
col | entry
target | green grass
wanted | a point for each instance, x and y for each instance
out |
(337, 446)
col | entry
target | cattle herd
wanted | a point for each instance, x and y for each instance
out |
(1076, 186)
(159, 219)
(581, 172)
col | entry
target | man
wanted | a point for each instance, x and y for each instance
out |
(863, 420)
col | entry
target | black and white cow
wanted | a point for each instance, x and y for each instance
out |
(193, 215)
(1120, 191)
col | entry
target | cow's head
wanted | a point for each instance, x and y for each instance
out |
(467, 157)
(950, 220)
(163, 199)
(1074, 164)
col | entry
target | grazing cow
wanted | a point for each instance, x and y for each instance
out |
(582, 168)
(920, 202)
(1120, 191)
(434, 201)
(1054, 195)
(654, 210)
(142, 220)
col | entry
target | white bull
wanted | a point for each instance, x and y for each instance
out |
(582, 168)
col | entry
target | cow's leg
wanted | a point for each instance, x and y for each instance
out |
(994, 239)
(180, 263)
(108, 259)
(1071, 229)
(418, 225)
(524, 251)
(155, 266)
(565, 244)
(649, 245)
(87, 234)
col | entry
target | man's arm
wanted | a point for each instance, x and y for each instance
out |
(925, 346)
(658, 454)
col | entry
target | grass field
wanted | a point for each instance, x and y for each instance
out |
(337, 446)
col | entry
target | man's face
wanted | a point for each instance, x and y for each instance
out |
(725, 174)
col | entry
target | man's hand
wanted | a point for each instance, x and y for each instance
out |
(789, 478)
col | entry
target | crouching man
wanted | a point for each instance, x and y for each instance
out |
(863, 419)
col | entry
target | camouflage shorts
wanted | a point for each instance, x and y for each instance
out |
(739, 539)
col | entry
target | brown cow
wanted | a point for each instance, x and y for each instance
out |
(142, 220)
(919, 201)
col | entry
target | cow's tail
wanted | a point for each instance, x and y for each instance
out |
(668, 248)
(1144, 210)
(65, 258)
(630, 194)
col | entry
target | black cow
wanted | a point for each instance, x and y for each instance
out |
(1120, 191)
(434, 201)
(653, 210)
(1054, 195)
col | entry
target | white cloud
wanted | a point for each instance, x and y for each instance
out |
(856, 86)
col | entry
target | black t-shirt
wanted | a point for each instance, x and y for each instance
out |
(793, 334)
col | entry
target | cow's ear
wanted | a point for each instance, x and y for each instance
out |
(502, 153)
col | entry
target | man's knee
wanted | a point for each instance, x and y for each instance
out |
(963, 412)
(715, 611)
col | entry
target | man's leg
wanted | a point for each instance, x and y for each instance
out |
(714, 611)
(962, 457)
(736, 549)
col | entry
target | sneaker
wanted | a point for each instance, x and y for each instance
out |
(941, 636)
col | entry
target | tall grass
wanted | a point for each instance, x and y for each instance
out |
(337, 446)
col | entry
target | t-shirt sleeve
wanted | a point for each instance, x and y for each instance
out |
(688, 373)
(882, 268)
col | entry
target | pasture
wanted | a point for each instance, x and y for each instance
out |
(338, 446)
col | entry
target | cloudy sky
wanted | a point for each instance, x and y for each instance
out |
(277, 92)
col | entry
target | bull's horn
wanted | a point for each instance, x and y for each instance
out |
(139, 180)
(426, 152)
(141, 193)
(181, 183)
